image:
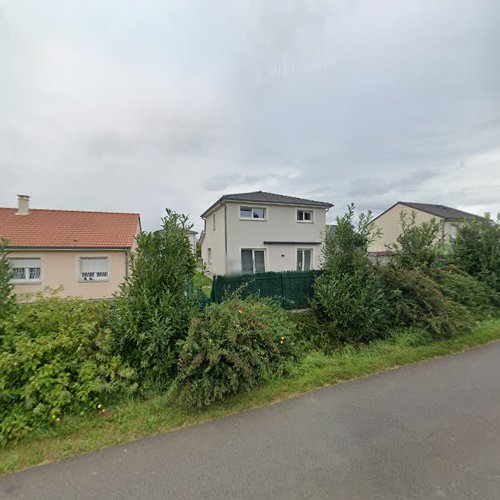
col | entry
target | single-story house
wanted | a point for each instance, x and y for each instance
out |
(389, 222)
(86, 253)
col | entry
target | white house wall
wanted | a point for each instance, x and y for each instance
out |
(280, 225)
(214, 240)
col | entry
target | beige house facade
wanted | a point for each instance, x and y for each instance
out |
(82, 254)
(389, 222)
(259, 231)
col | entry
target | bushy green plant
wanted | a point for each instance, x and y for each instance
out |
(231, 347)
(415, 300)
(348, 295)
(153, 309)
(476, 249)
(7, 298)
(55, 358)
(418, 245)
(479, 298)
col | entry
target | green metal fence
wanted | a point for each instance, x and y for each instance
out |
(292, 288)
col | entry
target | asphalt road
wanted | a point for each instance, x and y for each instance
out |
(425, 431)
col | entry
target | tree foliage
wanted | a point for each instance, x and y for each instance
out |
(476, 249)
(7, 298)
(348, 295)
(418, 245)
(154, 306)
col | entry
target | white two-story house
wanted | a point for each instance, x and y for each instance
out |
(259, 231)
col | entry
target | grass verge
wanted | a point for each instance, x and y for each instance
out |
(138, 418)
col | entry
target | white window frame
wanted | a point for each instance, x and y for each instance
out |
(28, 280)
(303, 257)
(256, 249)
(304, 211)
(95, 279)
(252, 208)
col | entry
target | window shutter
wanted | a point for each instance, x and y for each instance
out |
(24, 263)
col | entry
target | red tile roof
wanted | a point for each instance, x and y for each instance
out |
(68, 229)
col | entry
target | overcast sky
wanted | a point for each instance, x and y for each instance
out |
(137, 106)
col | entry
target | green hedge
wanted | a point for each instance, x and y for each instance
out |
(55, 359)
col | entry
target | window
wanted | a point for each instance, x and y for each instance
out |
(209, 255)
(252, 213)
(26, 269)
(304, 216)
(94, 269)
(304, 260)
(252, 261)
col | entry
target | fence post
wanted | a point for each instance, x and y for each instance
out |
(283, 297)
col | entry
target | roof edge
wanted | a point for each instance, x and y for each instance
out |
(223, 199)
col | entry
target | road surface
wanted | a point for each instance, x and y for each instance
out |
(430, 430)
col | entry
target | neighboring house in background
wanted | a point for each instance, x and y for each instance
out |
(259, 231)
(87, 253)
(389, 222)
(192, 240)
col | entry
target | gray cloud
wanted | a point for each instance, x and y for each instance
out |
(171, 104)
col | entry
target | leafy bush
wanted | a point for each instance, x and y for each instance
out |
(476, 250)
(7, 298)
(348, 295)
(414, 299)
(153, 309)
(231, 347)
(418, 245)
(479, 298)
(55, 358)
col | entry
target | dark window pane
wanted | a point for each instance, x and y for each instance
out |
(300, 215)
(259, 213)
(18, 273)
(308, 216)
(34, 273)
(299, 260)
(246, 261)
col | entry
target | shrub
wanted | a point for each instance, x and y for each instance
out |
(153, 309)
(348, 295)
(479, 298)
(418, 245)
(231, 347)
(55, 359)
(476, 250)
(7, 298)
(415, 300)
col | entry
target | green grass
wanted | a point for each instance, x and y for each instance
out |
(137, 418)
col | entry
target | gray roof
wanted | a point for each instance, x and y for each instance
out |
(441, 211)
(272, 198)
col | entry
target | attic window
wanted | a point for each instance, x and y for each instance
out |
(304, 215)
(252, 213)
(94, 269)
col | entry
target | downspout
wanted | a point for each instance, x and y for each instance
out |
(225, 239)
(126, 263)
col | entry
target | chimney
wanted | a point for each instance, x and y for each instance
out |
(23, 204)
